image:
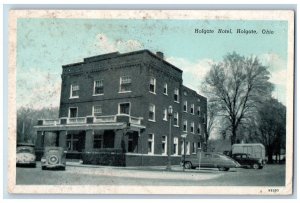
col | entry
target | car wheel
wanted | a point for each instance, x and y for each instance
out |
(255, 166)
(188, 165)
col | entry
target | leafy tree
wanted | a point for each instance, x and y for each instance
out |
(237, 85)
(271, 127)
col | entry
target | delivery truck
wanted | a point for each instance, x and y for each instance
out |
(255, 150)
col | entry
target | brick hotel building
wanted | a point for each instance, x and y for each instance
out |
(116, 104)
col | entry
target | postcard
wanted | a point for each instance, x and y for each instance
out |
(151, 102)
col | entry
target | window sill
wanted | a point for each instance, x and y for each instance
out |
(152, 120)
(124, 92)
(73, 97)
(165, 120)
(165, 94)
(152, 92)
(94, 95)
(177, 102)
(177, 126)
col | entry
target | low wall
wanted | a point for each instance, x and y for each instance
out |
(150, 160)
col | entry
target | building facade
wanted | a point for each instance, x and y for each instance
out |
(118, 104)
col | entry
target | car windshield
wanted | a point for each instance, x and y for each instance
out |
(24, 150)
(53, 151)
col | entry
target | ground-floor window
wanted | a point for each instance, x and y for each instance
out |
(164, 144)
(98, 141)
(175, 146)
(133, 141)
(72, 142)
(194, 149)
(150, 143)
(187, 147)
(182, 147)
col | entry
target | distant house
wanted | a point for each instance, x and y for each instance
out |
(118, 103)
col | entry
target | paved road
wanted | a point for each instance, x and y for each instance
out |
(271, 175)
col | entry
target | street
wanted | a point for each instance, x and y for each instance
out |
(270, 175)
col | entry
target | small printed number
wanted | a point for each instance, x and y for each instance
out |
(273, 190)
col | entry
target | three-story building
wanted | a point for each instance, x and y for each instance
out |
(119, 103)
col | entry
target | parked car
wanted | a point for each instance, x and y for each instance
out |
(26, 155)
(247, 161)
(210, 160)
(54, 157)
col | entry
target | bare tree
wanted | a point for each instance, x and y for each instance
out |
(27, 118)
(212, 113)
(237, 84)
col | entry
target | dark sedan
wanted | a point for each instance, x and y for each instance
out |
(248, 162)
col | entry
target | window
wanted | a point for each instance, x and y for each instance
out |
(150, 143)
(175, 146)
(74, 91)
(199, 145)
(192, 127)
(73, 112)
(152, 112)
(192, 108)
(194, 148)
(182, 147)
(124, 108)
(187, 148)
(164, 145)
(97, 110)
(185, 106)
(152, 85)
(125, 84)
(98, 141)
(176, 95)
(198, 111)
(98, 87)
(166, 89)
(185, 125)
(165, 115)
(72, 142)
(199, 129)
(176, 119)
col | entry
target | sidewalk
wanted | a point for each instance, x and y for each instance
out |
(148, 172)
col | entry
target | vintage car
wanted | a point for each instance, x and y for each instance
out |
(54, 158)
(209, 160)
(247, 161)
(25, 155)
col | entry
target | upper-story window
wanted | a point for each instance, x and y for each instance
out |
(125, 84)
(176, 119)
(73, 112)
(74, 93)
(152, 86)
(185, 125)
(192, 109)
(124, 108)
(97, 110)
(185, 106)
(198, 111)
(165, 115)
(152, 112)
(176, 95)
(98, 87)
(166, 89)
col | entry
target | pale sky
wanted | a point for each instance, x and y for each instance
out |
(44, 45)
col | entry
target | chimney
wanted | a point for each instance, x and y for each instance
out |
(160, 54)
